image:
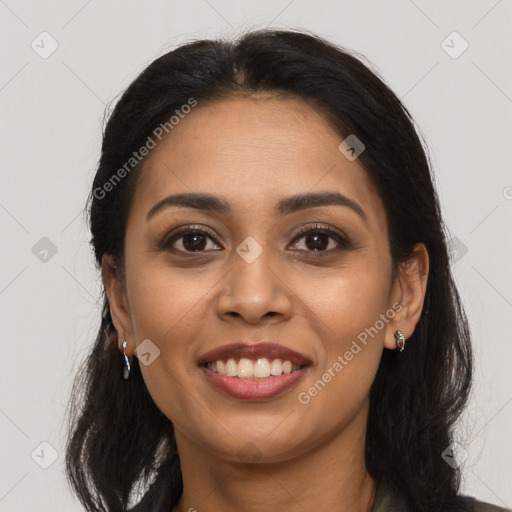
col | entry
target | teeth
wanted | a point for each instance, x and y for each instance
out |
(276, 367)
(231, 368)
(246, 368)
(261, 369)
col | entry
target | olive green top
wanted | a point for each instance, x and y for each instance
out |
(388, 501)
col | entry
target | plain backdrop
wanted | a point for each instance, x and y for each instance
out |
(52, 108)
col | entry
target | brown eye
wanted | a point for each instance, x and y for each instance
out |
(189, 240)
(319, 239)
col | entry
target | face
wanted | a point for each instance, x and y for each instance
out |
(313, 277)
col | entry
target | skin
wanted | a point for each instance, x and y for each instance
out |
(254, 151)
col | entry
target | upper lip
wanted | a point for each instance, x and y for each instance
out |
(254, 351)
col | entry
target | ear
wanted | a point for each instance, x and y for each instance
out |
(408, 290)
(116, 291)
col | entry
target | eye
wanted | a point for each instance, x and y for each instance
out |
(190, 238)
(317, 239)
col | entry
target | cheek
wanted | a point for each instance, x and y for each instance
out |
(165, 302)
(346, 301)
(168, 307)
(348, 310)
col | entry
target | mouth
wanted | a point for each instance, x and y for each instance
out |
(254, 372)
(245, 368)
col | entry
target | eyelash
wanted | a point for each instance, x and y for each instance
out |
(342, 240)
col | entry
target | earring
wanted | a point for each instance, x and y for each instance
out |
(126, 363)
(400, 340)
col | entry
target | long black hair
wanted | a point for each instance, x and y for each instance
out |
(118, 438)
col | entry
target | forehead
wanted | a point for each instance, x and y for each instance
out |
(253, 151)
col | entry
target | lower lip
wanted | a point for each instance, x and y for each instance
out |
(261, 389)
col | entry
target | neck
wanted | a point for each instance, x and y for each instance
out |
(330, 476)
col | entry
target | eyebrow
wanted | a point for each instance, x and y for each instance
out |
(288, 205)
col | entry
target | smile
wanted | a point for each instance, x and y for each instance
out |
(261, 368)
(250, 387)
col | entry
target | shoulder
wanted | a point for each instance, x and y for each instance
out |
(390, 499)
(471, 504)
(480, 506)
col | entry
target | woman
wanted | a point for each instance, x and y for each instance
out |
(272, 252)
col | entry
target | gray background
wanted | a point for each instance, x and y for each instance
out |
(52, 110)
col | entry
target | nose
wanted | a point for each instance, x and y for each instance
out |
(255, 292)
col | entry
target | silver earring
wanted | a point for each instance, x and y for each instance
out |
(400, 340)
(126, 363)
